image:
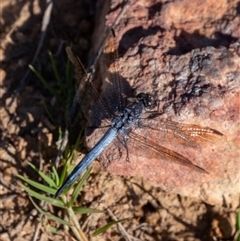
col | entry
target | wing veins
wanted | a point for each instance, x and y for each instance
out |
(85, 84)
(189, 133)
(170, 155)
(110, 68)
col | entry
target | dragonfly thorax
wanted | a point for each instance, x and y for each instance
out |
(132, 112)
(147, 101)
(129, 116)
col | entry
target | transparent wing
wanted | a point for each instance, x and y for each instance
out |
(87, 95)
(109, 68)
(189, 134)
(116, 89)
(154, 150)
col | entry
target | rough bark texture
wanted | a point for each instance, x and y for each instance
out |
(187, 54)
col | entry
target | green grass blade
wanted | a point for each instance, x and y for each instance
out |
(49, 215)
(70, 87)
(55, 71)
(238, 220)
(238, 225)
(79, 138)
(54, 202)
(64, 172)
(49, 113)
(79, 187)
(37, 185)
(69, 74)
(45, 83)
(107, 226)
(54, 171)
(51, 229)
(60, 133)
(43, 176)
(84, 210)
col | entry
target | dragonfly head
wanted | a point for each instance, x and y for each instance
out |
(146, 100)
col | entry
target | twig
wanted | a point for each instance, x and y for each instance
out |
(236, 236)
(37, 229)
(45, 22)
(122, 229)
(6, 197)
(116, 21)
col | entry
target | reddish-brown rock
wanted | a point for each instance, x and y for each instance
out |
(185, 53)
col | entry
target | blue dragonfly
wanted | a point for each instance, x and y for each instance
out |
(125, 119)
